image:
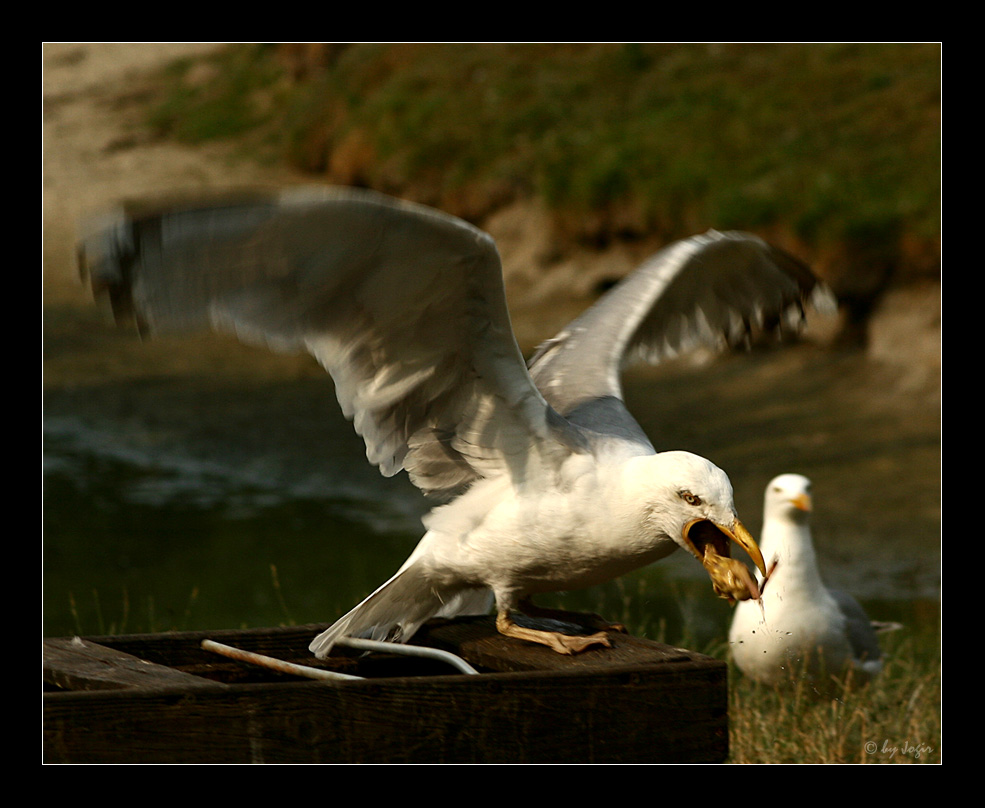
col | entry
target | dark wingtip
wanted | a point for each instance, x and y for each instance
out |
(104, 256)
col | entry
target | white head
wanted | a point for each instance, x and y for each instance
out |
(684, 487)
(788, 497)
(690, 499)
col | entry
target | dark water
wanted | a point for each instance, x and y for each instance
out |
(197, 500)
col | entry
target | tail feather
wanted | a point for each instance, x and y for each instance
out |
(468, 601)
(396, 610)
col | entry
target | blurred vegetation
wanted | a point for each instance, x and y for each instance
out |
(894, 719)
(832, 146)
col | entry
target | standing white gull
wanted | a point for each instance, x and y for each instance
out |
(544, 482)
(800, 627)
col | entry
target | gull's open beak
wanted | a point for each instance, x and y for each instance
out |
(709, 541)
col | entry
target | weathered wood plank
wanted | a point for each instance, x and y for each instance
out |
(478, 642)
(639, 702)
(632, 717)
(78, 664)
(184, 648)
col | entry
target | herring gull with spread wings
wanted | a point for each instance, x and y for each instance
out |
(542, 480)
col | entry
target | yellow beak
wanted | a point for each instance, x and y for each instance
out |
(744, 539)
(802, 502)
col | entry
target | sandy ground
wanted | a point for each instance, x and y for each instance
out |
(95, 154)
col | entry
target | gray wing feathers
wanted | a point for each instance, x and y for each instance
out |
(861, 635)
(403, 305)
(393, 613)
(705, 290)
(396, 610)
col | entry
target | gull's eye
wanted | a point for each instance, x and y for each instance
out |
(690, 499)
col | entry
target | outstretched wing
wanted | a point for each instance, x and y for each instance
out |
(403, 305)
(708, 289)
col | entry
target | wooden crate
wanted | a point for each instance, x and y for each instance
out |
(161, 698)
